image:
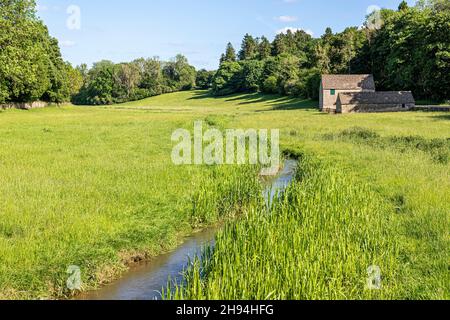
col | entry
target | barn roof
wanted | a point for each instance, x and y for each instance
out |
(348, 81)
(380, 97)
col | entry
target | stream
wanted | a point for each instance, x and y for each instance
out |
(145, 280)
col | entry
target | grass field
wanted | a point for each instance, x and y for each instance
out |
(95, 187)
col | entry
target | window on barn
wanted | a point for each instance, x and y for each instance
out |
(404, 106)
(333, 92)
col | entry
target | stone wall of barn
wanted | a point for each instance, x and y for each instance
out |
(24, 105)
(328, 102)
(321, 97)
(349, 108)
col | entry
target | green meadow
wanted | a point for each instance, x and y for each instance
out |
(95, 187)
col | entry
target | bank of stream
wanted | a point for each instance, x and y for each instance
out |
(144, 281)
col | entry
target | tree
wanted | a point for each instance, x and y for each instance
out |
(272, 68)
(435, 5)
(289, 74)
(434, 56)
(281, 74)
(403, 6)
(83, 70)
(297, 43)
(126, 79)
(101, 83)
(21, 58)
(204, 79)
(151, 75)
(328, 35)
(408, 51)
(31, 66)
(230, 54)
(228, 79)
(107, 83)
(440, 5)
(59, 89)
(279, 46)
(348, 45)
(270, 85)
(179, 74)
(249, 48)
(321, 56)
(310, 83)
(300, 42)
(264, 49)
(403, 65)
(75, 80)
(251, 75)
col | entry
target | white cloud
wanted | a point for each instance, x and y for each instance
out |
(286, 18)
(44, 8)
(285, 30)
(41, 8)
(373, 8)
(67, 43)
(310, 32)
(375, 22)
(293, 30)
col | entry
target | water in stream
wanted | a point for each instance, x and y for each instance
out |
(145, 280)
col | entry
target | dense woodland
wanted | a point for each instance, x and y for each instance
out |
(409, 50)
(107, 83)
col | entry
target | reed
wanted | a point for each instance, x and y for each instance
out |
(317, 242)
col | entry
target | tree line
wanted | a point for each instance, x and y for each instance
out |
(32, 68)
(107, 82)
(406, 49)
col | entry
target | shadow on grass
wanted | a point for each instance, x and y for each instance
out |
(276, 101)
(443, 117)
(198, 95)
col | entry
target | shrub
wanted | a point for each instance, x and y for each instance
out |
(228, 79)
(270, 85)
(360, 134)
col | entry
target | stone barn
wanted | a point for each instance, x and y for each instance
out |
(332, 85)
(382, 101)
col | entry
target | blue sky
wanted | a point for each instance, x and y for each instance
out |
(122, 30)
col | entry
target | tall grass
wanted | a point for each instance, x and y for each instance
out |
(224, 193)
(317, 242)
(437, 148)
